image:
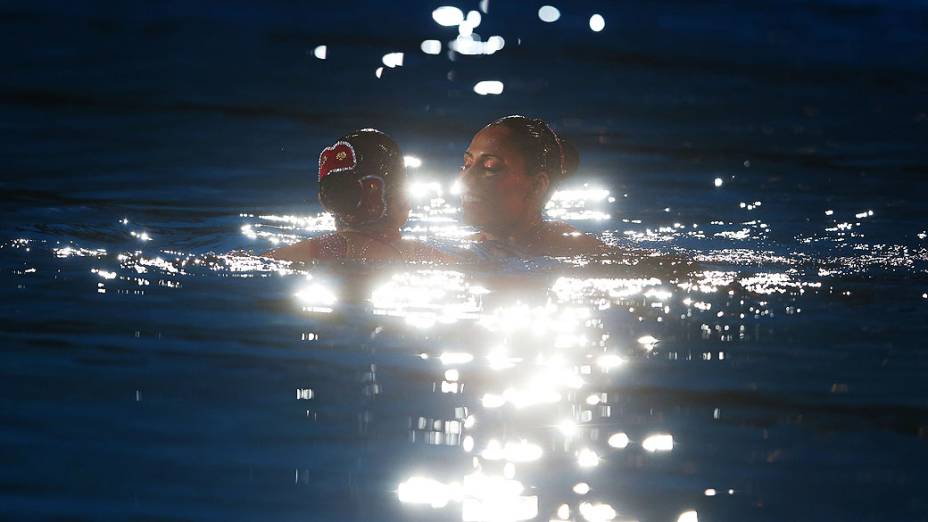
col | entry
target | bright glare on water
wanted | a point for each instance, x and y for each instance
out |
(530, 369)
(752, 348)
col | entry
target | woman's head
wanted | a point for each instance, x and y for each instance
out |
(510, 170)
(361, 181)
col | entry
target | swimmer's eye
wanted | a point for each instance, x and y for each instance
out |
(492, 164)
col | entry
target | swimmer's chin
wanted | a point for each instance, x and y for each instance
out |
(473, 215)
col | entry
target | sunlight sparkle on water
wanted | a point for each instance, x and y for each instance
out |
(432, 47)
(581, 488)
(449, 358)
(427, 297)
(316, 298)
(548, 13)
(660, 442)
(576, 204)
(648, 342)
(587, 458)
(448, 16)
(392, 60)
(104, 274)
(486, 87)
(718, 182)
(471, 45)
(422, 490)
(597, 23)
(597, 512)
(609, 361)
(567, 427)
(69, 251)
(688, 516)
(521, 451)
(619, 440)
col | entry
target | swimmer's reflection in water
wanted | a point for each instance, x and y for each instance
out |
(362, 183)
(510, 170)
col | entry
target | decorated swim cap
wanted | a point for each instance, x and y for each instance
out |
(352, 169)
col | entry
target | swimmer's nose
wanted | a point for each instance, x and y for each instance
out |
(467, 178)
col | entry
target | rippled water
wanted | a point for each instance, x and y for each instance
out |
(154, 368)
(143, 378)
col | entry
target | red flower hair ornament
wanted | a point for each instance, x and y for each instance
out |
(337, 158)
(368, 203)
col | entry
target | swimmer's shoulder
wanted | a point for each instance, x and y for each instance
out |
(563, 239)
(326, 247)
(421, 252)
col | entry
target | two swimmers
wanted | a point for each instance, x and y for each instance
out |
(511, 168)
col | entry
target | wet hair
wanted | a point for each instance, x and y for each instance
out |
(544, 149)
(342, 190)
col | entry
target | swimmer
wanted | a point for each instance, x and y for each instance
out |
(511, 168)
(362, 182)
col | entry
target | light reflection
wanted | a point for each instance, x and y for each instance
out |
(550, 353)
(450, 358)
(521, 451)
(320, 52)
(618, 440)
(392, 60)
(316, 297)
(688, 516)
(596, 512)
(422, 490)
(548, 13)
(659, 442)
(581, 488)
(648, 342)
(587, 458)
(428, 297)
(485, 87)
(609, 361)
(432, 47)
(578, 204)
(448, 16)
(567, 427)
(412, 162)
(597, 23)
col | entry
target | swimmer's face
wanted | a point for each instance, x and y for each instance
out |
(496, 190)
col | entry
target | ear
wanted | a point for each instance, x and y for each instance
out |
(540, 183)
(372, 205)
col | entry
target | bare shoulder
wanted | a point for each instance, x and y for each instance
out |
(421, 252)
(317, 248)
(559, 238)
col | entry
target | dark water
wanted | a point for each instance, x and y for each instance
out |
(149, 374)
